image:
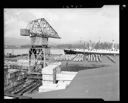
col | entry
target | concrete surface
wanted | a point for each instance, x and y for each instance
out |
(91, 83)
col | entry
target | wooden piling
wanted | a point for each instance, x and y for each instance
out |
(96, 58)
(93, 58)
(99, 57)
(54, 76)
(90, 58)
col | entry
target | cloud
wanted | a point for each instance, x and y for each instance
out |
(110, 11)
(70, 24)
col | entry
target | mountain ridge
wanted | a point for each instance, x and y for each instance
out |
(19, 42)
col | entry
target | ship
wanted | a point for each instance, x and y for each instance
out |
(93, 51)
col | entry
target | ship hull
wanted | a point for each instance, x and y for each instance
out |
(69, 51)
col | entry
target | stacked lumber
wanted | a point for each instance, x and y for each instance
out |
(53, 78)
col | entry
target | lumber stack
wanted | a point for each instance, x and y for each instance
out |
(53, 78)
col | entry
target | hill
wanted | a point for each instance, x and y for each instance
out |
(15, 41)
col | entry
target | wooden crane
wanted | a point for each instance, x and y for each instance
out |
(39, 31)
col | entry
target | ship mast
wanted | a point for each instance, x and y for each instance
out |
(113, 46)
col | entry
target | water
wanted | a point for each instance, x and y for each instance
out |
(25, 51)
(57, 51)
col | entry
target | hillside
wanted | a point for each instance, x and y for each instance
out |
(12, 42)
(15, 41)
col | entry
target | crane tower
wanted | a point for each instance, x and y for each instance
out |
(39, 31)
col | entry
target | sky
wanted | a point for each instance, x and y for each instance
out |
(71, 24)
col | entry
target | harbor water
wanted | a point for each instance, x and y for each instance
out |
(25, 51)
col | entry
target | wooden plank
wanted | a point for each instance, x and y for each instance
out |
(48, 77)
(17, 96)
(96, 58)
(33, 89)
(64, 77)
(111, 59)
(67, 72)
(61, 76)
(54, 76)
(47, 82)
(99, 57)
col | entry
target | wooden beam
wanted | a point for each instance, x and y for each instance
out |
(17, 96)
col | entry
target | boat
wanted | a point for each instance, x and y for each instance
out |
(93, 51)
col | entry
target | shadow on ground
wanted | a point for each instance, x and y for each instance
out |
(76, 68)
